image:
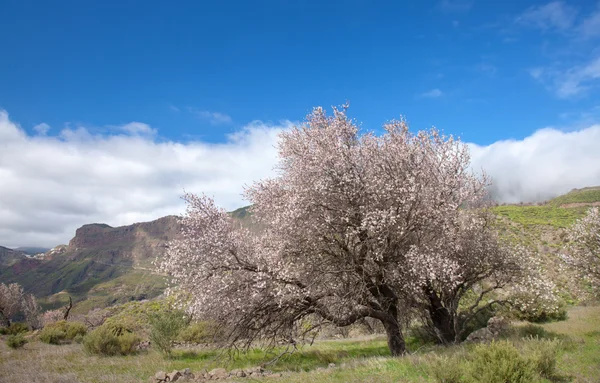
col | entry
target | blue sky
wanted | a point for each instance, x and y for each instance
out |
(110, 109)
(486, 70)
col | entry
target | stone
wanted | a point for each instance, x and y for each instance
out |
(481, 335)
(238, 372)
(218, 373)
(161, 375)
(174, 376)
(331, 365)
(255, 370)
(497, 324)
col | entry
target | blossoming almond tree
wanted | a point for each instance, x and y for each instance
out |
(340, 226)
(584, 249)
(470, 270)
(11, 297)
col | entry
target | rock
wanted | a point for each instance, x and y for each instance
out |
(218, 373)
(331, 365)
(238, 372)
(481, 335)
(255, 370)
(275, 375)
(174, 376)
(497, 325)
(161, 375)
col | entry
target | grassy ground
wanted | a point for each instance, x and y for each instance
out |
(549, 215)
(365, 360)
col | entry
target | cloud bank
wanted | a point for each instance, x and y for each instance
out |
(51, 185)
(548, 163)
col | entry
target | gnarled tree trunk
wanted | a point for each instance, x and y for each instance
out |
(395, 339)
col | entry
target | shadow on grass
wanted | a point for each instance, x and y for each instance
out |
(303, 359)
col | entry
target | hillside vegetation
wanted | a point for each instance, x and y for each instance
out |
(559, 212)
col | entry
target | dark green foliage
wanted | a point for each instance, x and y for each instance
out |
(62, 332)
(542, 316)
(165, 326)
(111, 339)
(14, 329)
(16, 341)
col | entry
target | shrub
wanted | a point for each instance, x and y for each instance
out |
(75, 329)
(201, 332)
(78, 338)
(533, 331)
(542, 353)
(16, 341)
(14, 329)
(165, 327)
(500, 362)
(62, 332)
(539, 311)
(52, 335)
(111, 339)
(447, 370)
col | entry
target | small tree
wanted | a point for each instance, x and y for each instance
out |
(467, 265)
(165, 326)
(340, 228)
(584, 248)
(11, 297)
(32, 311)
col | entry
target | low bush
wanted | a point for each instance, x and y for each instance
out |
(16, 341)
(538, 311)
(501, 362)
(111, 339)
(165, 327)
(62, 332)
(447, 370)
(14, 329)
(201, 332)
(543, 353)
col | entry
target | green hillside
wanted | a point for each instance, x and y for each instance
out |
(587, 195)
(559, 212)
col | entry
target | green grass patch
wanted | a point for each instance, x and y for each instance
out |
(547, 215)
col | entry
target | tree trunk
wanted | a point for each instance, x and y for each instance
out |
(4, 320)
(395, 339)
(441, 318)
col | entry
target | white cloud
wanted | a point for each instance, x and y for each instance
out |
(554, 15)
(42, 128)
(547, 163)
(215, 118)
(433, 93)
(52, 185)
(570, 82)
(138, 128)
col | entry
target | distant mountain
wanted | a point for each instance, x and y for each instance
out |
(101, 265)
(9, 257)
(32, 250)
